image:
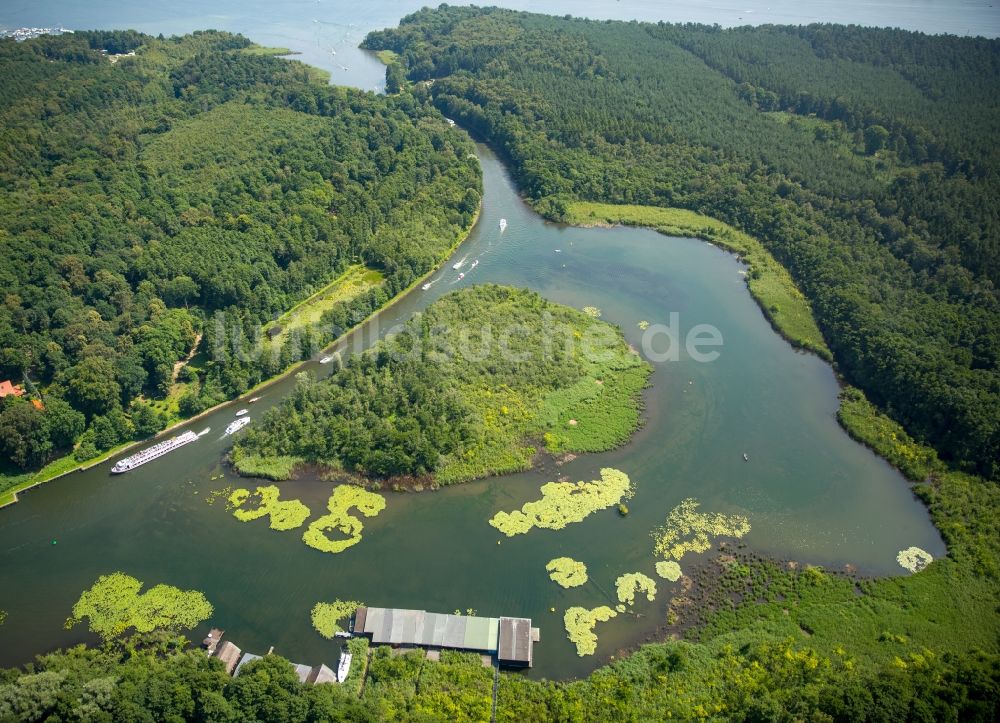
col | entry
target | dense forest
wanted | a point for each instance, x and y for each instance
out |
(865, 160)
(467, 389)
(175, 200)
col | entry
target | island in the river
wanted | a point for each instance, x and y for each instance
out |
(476, 385)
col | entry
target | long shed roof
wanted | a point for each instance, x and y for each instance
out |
(397, 626)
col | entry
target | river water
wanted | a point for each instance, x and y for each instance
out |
(810, 493)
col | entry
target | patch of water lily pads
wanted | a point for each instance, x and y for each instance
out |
(114, 605)
(567, 572)
(339, 519)
(563, 503)
(283, 514)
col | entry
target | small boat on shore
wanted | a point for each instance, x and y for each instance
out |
(503, 224)
(344, 667)
(242, 412)
(458, 264)
(236, 425)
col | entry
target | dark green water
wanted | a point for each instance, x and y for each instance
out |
(810, 493)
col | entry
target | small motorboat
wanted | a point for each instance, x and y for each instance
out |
(503, 224)
(242, 412)
(205, 431)
(474, 264)
(425, 287)
(461, 276)
(746, 457)
(236, 425)
(458, 264)
(326, 360)
(342, 634)
(253, 399)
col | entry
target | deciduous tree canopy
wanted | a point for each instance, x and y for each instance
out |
(140, 197)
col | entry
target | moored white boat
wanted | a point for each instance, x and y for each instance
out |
(344, 667)
(242, 412)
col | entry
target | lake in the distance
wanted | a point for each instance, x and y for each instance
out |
(810, 493)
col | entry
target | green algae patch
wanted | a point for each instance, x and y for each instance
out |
(668, 570)
(567, 572)
(634, 582)
(326, 617)
(341, 501)
(687, 530)
(580, 622)
(114, 605)
(565, 502)
(284, 514)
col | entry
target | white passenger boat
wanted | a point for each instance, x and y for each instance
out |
(236, 425)
(150, 453)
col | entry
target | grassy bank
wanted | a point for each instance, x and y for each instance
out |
(769, 282)
(356, 280)
(13, 484)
